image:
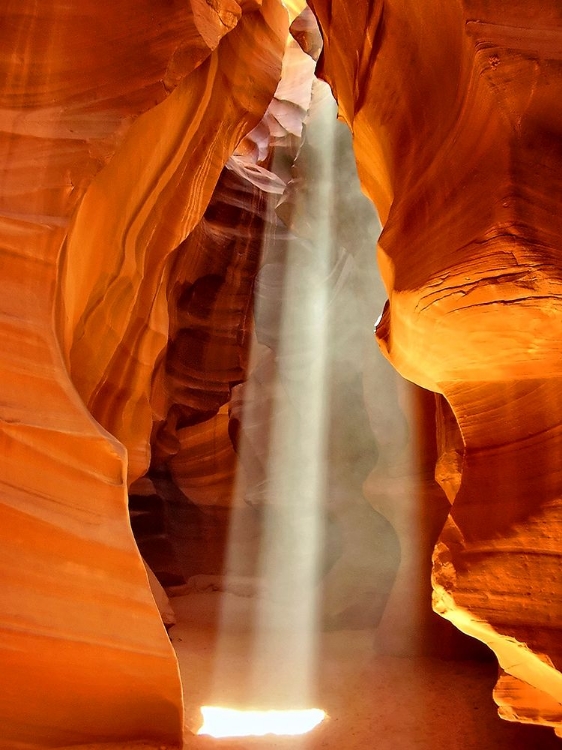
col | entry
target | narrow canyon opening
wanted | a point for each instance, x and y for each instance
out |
(292, 522)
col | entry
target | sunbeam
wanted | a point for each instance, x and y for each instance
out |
(290, 501)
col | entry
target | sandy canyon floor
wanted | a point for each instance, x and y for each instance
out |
(372, 701)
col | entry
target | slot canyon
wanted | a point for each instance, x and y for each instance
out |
(281, 369)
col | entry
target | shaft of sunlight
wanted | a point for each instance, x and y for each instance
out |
(266, 643)
(296, 487)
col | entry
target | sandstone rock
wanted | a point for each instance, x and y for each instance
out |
(161, 599)
(147, 149)
(454, 138)
(116, 123)
(117, 262)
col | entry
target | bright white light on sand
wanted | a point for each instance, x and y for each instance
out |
(227, 722)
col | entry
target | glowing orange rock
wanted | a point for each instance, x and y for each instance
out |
(456, 123)
(116, 121)
(210, 301)
(138, 211)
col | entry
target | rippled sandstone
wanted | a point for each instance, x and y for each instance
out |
(456, 130)
(134, 144)
(116, 124)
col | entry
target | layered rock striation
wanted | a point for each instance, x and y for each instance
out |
(116, 124)
(456, 133)
(146, 149)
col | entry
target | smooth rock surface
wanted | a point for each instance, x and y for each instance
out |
(116, 123)
(146, 151)
(451, 105)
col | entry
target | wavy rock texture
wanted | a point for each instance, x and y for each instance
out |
(210, 288)
(453, 108)
(144, 147)
(116, 124)
(137, 212)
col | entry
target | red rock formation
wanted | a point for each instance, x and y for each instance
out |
(210, 301)
(137, 212)
(135, 144)
(453, 108)
(116, 123)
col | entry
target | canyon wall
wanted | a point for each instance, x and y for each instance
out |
(146, 150)
(117, 121)
(456, 130)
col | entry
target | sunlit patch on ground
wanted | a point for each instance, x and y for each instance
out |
(228, 722)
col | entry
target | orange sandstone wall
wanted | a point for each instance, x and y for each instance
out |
(116, 120)
(139, 209)
(454, 109)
